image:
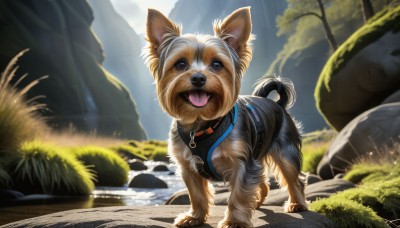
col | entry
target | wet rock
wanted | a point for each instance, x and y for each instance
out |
(8, 194)
(160, 168)
(137, 165)
(146, 180)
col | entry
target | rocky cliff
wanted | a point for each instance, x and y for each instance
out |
(122, 49)
(79, 90)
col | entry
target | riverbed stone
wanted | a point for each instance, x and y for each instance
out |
(163, 216)
(146, 180)
(160, 168)
(137, 165)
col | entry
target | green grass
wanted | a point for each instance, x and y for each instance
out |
(43, 168)
(315, 145)
(111, 169)
(312, 155)
(18, 120)
(347, 213)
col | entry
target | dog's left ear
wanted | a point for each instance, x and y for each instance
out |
(235, 29)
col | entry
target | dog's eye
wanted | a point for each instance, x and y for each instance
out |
(181, 65)
(217, 65)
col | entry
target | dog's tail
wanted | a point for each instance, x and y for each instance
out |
(283, 86)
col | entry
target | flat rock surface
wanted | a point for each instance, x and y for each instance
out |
(163, 216)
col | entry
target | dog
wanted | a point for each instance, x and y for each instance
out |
(217, 135)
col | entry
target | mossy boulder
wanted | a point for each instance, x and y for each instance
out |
(362, 72)
(79, 91)
(109, 168)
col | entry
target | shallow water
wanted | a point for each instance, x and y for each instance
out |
(36, 205)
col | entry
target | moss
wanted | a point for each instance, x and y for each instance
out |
(111, 170)
(347, 213)
(43, 168)
(128, 152)
(360, 171)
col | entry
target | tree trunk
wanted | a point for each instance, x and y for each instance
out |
(328, 31)
(367, 10)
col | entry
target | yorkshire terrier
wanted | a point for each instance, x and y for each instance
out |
(217, 135)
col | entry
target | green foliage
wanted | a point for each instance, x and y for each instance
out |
(344, 17)
(43, 168)
(315, 144)
(5, 179)
(347, 213)
(312, 155)
(296, 10)
(111, 170)
(18, 121)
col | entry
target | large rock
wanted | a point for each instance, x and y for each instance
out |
(362, 72)
(163, 216)
(276, 197)
(367, 136)
(79, 91)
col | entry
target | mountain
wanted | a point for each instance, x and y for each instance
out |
(79, 91)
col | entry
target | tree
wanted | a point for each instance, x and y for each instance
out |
(298, 9)
(367, 9)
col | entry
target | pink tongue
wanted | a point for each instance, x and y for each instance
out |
(198, 98)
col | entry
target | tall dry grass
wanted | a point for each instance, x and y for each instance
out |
(18, 119)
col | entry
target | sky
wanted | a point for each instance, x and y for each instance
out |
(135, 11)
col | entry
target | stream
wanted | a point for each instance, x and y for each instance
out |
(37, 205)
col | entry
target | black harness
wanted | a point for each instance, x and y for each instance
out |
(203, 143)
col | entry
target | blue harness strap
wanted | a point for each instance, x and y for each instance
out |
(204, 145)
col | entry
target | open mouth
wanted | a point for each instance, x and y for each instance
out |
(197, 98)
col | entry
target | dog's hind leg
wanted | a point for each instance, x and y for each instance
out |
(286, 157)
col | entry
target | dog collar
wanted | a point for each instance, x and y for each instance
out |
(203, 143)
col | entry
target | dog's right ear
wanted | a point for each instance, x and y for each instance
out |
(160, 28)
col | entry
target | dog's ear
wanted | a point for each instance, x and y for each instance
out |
(159, 27)
(235, 29)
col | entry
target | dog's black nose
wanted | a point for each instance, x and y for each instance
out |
(198, 80)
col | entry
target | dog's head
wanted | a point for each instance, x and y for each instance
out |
(198, 76)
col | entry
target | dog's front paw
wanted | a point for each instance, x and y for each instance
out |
(229, 224)
(295, 207)
(186, 220)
